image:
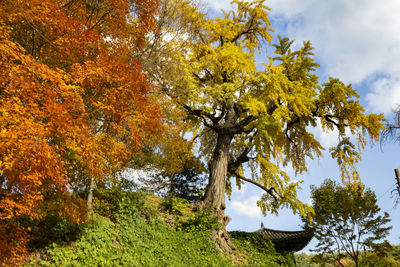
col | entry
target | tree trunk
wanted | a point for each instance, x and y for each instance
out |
(215, 191)
(90, 199)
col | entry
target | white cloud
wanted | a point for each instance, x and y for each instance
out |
(247, 207)
(353, 39)
(385, 95)
(326, 138)
(218, 5)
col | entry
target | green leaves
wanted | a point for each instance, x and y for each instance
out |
(131, 240)
(262, 250)
(347, 220)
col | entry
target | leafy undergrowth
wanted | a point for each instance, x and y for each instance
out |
(259, 251)
(137, 229)
(392, 259)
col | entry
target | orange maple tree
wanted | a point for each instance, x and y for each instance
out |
(74, 103)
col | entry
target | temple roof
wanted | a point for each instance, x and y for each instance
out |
(287, 240)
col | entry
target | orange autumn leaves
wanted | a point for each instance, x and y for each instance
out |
(73, 102)
(29, 163)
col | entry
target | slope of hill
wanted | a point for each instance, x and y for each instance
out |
(138, 229)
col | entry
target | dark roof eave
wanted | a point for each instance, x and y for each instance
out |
(287, 240)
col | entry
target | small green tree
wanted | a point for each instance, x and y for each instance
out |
(346, 222)
(188, 182)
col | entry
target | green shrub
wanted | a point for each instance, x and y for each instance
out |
(52, 229)
(96, 247)
(202, 221)
(260, 250)
(134, 235)
(371, 259)
(176, 205)
(374, 260)
(389, 259)
(133, 241)
(111, 202)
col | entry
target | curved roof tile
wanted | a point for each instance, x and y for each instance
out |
(287, 240)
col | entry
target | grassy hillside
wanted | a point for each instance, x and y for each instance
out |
(137, 229)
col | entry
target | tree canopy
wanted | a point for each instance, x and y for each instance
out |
(347, 222)
(266, 113)
(261, 119)
(74, 104)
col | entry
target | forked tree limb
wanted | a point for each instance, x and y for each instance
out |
(270, 191)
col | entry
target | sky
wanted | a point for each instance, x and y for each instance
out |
(357, 41)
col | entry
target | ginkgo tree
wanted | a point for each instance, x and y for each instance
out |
(261, 119)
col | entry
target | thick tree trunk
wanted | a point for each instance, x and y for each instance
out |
(215, 191)
(90, 199)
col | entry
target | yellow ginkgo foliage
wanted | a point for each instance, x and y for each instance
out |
(255, 118)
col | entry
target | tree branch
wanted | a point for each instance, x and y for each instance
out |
(270, 191)
(238, 128)
(289, 125)
(204, 115)
(100, 20)
(234, 165)
(195, 112)
(330, 118)
(209, 73)
(247, 31)
(67, 4)
(202, 80)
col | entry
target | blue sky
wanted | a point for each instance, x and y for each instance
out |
(357, 41)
